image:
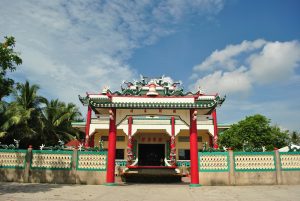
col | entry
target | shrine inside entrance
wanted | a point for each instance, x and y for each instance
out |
(151, 154)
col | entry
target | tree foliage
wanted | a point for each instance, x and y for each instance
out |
(34, 120)
(9, 59)
(295, 138)
(29, 117)
(253, 133)
(23, 118)
(57, 117)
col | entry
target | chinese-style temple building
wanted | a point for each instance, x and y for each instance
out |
(151, 123)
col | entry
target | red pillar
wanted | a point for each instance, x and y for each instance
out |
(194, 149)
(129, 144)
(87, 126)
(110, 174)
(172, 144)
(92, 141)
(214, 115)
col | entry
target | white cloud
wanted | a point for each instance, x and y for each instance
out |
(173, 10)
(69, 47)
(226, 58)
(276, 62)
(240, 67)
(236, 81)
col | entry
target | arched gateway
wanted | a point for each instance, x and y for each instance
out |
(151, 119)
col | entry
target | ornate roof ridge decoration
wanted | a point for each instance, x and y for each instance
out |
(151, 87)
(152, 93)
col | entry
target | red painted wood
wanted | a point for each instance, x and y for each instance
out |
(194, 148)
(172, 142)
(129, 142)
(92, 141)
(110, 174)
(173, 131)
(211, 144)
(87, 127)
(215, 141)
(152, 167)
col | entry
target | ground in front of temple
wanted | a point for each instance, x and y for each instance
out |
(145, 192)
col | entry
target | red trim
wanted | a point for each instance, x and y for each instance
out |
(145, 96)
(159, 96)
(172, 142)
(110, 174)
(211, 141)
(173, 131)
(194, 148)
(130, 130)
(92, 141)
(87, 126)
(215, 141)
(129, 142)
(152, 167)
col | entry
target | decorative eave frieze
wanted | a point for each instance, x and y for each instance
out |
(103, 101)
(151, 105)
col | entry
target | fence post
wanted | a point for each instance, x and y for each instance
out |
(231, 167)
(27, 166)
(278, 166)
(74, 165)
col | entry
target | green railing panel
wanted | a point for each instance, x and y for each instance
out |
(254, 161)
(289, 161)
(180, 163)
(91, 161)
(52, 160)
(10, 158)
(214, 162)
(121, 163)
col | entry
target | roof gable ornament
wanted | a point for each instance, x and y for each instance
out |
(201, 91)
(152, 90)
(162, 86)
(105, 90)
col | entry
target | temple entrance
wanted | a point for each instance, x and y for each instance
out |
(151, 154)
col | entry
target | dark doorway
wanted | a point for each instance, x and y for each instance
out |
(151, 154)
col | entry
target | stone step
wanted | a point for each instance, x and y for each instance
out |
(151, 174)
(150, 178)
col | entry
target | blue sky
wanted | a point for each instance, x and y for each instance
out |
(248, 50)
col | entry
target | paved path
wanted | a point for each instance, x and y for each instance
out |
(146, 192)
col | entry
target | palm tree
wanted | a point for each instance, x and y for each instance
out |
(23, 115)
(57, 117)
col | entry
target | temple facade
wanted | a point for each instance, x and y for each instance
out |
(151, 123)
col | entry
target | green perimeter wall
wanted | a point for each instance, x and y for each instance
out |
(85, 167)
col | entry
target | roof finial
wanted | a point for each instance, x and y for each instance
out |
(104, 90)
(201, 91)
(152, 90)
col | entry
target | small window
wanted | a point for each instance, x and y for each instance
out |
(187, 139)
(119, 153)
(184, 139)
(184, 154)
(120, 138)
(104, 138)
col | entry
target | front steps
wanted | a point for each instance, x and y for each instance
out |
(151, 174)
